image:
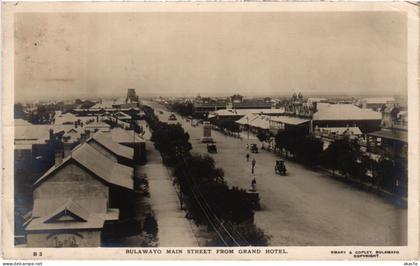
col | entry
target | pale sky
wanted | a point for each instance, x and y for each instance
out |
(101, 55)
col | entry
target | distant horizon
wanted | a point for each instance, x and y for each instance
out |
(154, 95)
(80, 55)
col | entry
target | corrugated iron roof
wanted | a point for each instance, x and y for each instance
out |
(70, 206)
(44, 206)
(344, 112)
(95, 221)
(105, 140)
(261, 122)
(38, 132)
(99, 164)
(246, 119)
(120, 135)
(104, 167)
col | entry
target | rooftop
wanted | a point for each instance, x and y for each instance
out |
(340, 130)
(105, 140)
(399, 135)
(242, 112)
(120, 135)
(290, 120)
(328, 111)
(378, 100)
(38, 132)
(98, 164)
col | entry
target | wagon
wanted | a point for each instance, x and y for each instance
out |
(211, 148)
(253, 148)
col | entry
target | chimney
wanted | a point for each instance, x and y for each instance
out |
(51, 134)
(58, 157)
(67, 150)
(83, 138)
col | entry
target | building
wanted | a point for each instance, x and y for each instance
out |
(71, 119)
(375, 103)
(389, 143)
(97, 126)
(232, 115)
(277, 123)
(346, 115)
(131, 96)
(238, 102)
(130, 139)
(76, 197)
(329, 134)
(205, 105)
(118, 153)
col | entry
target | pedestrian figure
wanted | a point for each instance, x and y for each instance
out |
(254, 184)
(247, 146)
(253, 165)
(247, 157)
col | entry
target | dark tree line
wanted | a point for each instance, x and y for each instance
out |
(344, 156)
(227, 125)
(184, 109)
(204, 193)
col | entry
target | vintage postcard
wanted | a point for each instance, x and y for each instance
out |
(225, 131)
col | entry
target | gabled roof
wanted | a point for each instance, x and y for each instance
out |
(67, 216)
(260, 122)
(97, 163)
(105, 140)
(122, 115)
(71, 209)
(245, 120)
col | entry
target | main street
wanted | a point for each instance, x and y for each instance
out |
(306, 207)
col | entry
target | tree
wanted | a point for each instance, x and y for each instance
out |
(343, 155)
(208, 197)
(87, 104)
(291, 139)
(330, 157)
(263, 135)
(385, 174)
(183, 108)
(172, 141)
(310, 150)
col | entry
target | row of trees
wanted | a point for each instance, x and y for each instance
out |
(227, 212)
(182, 108)
(227, 125)
(345, 157)
(44, 113)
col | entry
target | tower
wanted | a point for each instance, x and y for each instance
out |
(131, 96)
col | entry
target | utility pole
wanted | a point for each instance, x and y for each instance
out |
(247, 123)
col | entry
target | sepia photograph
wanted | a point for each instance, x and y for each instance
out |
(200, 130)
